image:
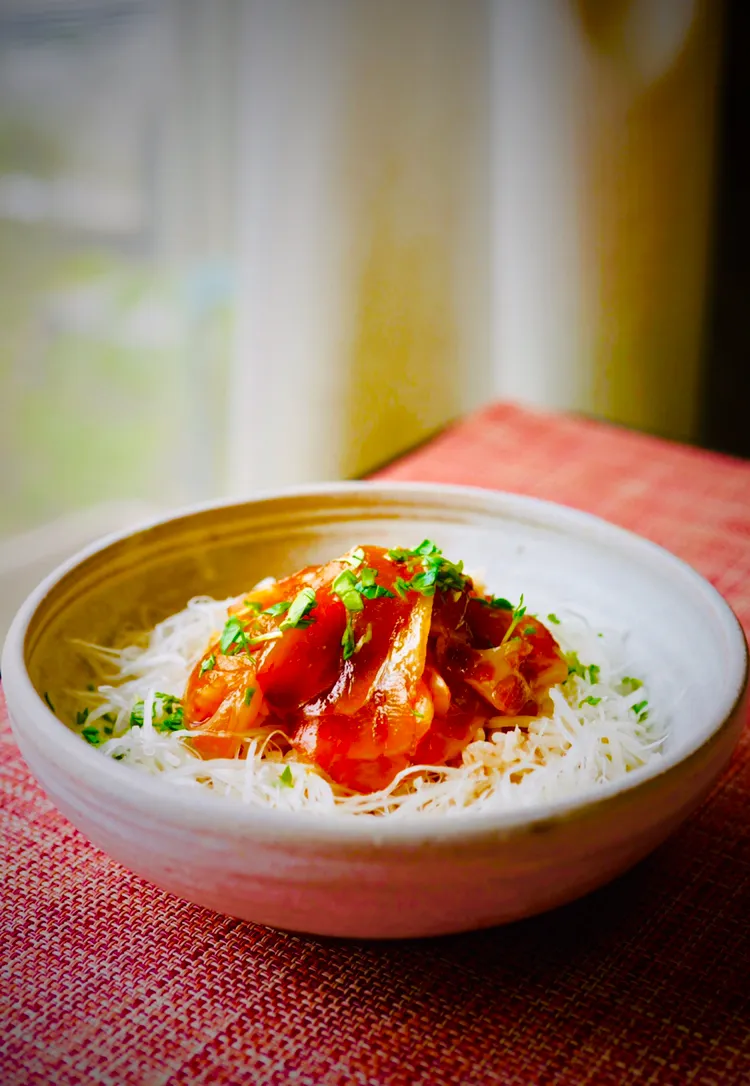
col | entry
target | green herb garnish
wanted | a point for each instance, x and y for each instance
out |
(81, 717)
(278, 608)
(515, 618)
(48, 699)
(575, 667)
(554, 618)
(590, 700)
(286, 778)
(529, 631)
(594, 671)
(345, 587)
(499, 603)
(208, 664)
(249, 695)
(356, 558)
(91, 735)
(233, 636)
(639, 707)
(431, 570)
(167, 713)
(301, 605)
(631, 683)
(348, 644)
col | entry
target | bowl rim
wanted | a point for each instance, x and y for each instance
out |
(202, 808)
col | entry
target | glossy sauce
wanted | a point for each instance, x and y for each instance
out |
(426, 674)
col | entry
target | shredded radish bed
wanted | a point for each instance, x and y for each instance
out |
(600, 730)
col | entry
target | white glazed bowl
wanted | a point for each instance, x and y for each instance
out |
(363, 876)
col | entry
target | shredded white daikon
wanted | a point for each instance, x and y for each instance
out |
(602, 727)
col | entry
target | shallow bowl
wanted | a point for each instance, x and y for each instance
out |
(365, 876)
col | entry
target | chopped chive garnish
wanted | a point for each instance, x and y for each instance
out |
(529, 631)
(515, 618)
(81, 717)
(286, 778)
(637, 709)
(249, 695)
(48, 699)
(499, 603)
(278, 608)
(208, 664)
(233, 635)
(357, 557)
(348, 643)
(253, 605)
(301, 605)
(91, 735)
(634, 684)
(594, 671)
(590, 700)
(553, 618)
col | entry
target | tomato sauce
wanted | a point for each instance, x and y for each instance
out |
(369, 664)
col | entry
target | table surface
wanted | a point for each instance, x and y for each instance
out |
(104, 979)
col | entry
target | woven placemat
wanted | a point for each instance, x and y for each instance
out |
(107, 980)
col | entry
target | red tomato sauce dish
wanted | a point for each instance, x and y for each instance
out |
(381, 680)
(371, 663)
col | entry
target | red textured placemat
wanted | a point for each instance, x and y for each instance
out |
(106, 980)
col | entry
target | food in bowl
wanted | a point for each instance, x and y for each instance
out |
(382, 682)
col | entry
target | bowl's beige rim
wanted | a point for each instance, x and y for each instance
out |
(197, 809)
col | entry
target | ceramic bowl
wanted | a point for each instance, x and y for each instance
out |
(364, 876)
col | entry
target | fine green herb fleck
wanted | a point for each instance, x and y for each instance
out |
(348, 644)
(278, 608)
(401, 586)
(91, 735)
(249, 694)
(575, 667)
(631, 684)
(590, 700)
(515, 618)
(500, 603)
(90, 687)
(639, 707)
(119, 756)
(48, 699)
(437, 572)
(286, 778)
(357, 557)
(553, 618)
(110, 718)
(81, 717)
(351, 589)
(302, 604)
(529, 631)
(233, 636)
(594, 671)
(167, 714)
(253, 605)
(345, 587)
(208, 664)
(417, 714)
